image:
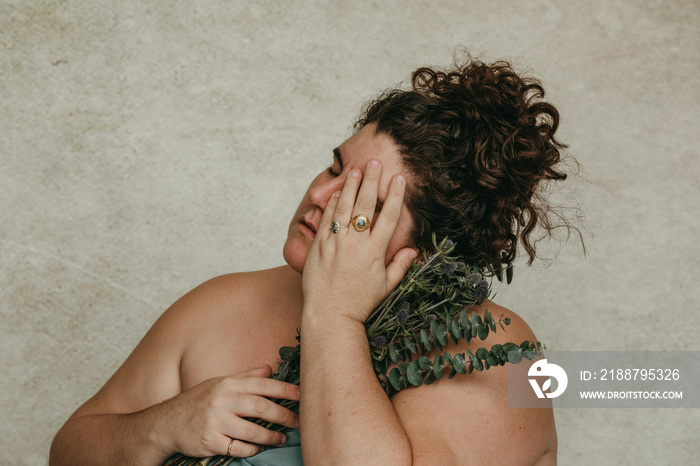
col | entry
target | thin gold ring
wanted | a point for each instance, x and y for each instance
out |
(360, 222)
(228, 451)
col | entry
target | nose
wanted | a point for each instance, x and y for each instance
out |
(321, 190)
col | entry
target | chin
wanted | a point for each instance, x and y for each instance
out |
(295, 255)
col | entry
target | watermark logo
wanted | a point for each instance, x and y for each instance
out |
(605, 379)
(543, 368)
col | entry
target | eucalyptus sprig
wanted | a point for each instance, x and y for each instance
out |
(429, 307)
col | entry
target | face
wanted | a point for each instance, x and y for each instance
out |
(356, 152)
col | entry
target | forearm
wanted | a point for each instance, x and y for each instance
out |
(112, 439)
(346, 417)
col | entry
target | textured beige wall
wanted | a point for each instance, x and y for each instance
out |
(148, 146)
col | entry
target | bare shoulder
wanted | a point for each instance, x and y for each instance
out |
(466, 420)
(239, 323)
(152, 372)
(235, 297)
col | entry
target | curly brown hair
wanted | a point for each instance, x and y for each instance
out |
(479, 141)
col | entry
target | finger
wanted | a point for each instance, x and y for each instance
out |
(249, 432)
(398, 267)
(269, 388)
(391, 210)
(328, 214)
(261, 408)
(367, 196)
(239, 449)
(262, 371)
(346, 202)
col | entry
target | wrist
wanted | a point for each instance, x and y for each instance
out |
(328, 318)
(156, 428)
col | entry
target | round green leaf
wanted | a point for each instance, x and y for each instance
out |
(438, 367)
(394, 354)
(413, 374)
(483, 331)
(395, 379)
(459, 363)
(456, 331)
(425, 338)
(441, 335)
(515, 356)
(408, 344)
(448, 358)
(464, 319)
(425, 363)
(492, 359)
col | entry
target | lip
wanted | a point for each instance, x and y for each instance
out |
(307, 227)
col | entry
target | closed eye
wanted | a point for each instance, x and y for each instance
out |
(337, 160)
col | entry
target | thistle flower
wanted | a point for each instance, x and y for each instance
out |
(481, 291)
(449, 268)
(402, 313)
(474, 278)
(380, 341)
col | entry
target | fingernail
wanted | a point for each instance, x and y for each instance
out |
(296, 422)
(356, 173)
(374, 163)
(336, 194)
(400, 179)
(283, 441)
(298, 393)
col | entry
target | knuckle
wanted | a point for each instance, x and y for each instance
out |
(342, 209)
(259, 405)
(365, 204)
(225, 384)
(391, 215)
(262, 385)
(207, 442)
(213, 402)
(251, 432)
(243, 450)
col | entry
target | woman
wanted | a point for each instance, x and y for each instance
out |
(460, 155)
